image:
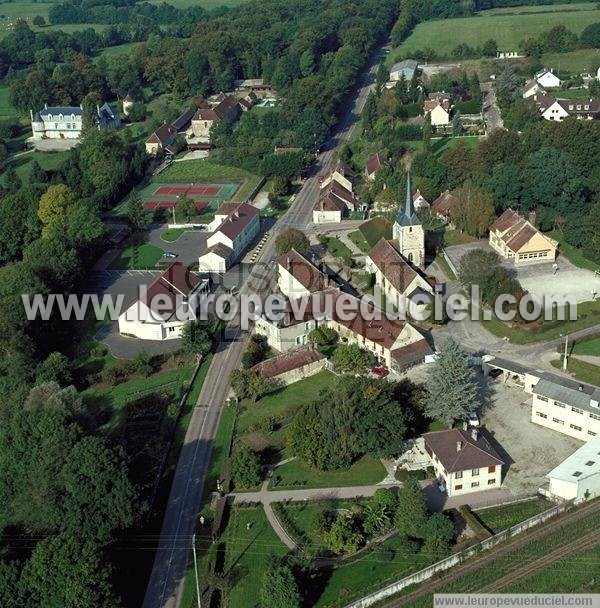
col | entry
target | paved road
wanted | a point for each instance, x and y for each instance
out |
(491, 111)
(166, 580)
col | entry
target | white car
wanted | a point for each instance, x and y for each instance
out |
(169, 255)
(473, 419)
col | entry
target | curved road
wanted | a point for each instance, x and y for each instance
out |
(165, 586)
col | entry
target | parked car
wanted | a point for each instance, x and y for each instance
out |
(494, 373)
(380, 372)
(321, 178)
(473, 419)
(169, 255)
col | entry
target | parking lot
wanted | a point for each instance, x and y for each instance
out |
(541, 279)
(531, 450)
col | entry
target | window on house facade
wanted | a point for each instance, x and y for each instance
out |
(492, 469)
(458, 487)
(576, 410)
(475, 484)
(458, 474)
(592, 434)
(557, 421)
(491, 482)
(540, 398)
(575, 427)
(474, 472)
(541, 415)
(559, 404)
(595, 416)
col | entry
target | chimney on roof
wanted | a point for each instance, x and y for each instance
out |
(580, 387)
(289, 263)
(465, 426)
(474, 434)
(459, 445)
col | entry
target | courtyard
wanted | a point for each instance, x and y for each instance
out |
(541, 280)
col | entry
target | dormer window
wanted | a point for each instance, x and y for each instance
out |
(73, 117)
(60, 117)
(49, 116)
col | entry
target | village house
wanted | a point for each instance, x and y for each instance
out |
(340, 174)
(230, 239)
(255, 86)
(547, 79)
(66, 122)
(464, 461)
(438, 107)
(399, 281)
(518, 240)
(226, 109)
(372, 166)
(328, 209)
(420, 202)
(404, 69)
(532, 87)
(553, 108)
(168, 303)
(292, 366)
(336, 197)
(396, 344)
(444, 207)
(558, 403)
(578, 476)
(164, 137)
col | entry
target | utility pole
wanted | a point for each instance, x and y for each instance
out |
(565, 358)
(196, 569)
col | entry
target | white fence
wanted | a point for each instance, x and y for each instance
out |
(457, 558)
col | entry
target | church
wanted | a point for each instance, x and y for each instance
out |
(398, 264)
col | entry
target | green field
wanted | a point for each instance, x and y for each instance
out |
(138, 257)
(49, 161)
(207, 4)
(443, 35)
(581, 370)
(119, 49)
(573, 62)
(359, 240)
(543, 8)
(375, 229)
(587, 347)
(337, 249)
(6, 109)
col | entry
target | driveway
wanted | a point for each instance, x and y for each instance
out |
(188, 246)
(540, 279)
(491, 111)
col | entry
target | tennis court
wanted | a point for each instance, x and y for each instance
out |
(188, 190)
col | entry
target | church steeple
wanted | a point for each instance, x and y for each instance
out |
(408, 216)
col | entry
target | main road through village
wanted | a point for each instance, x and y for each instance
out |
(165, 586)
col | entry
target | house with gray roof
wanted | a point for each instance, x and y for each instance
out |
(407, 68)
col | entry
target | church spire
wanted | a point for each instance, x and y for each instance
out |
(408, 217)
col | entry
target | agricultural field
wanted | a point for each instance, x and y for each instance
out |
(502, 517)
(11, 11)
(508, 30)
(543, 8)
(207, 4)
(573, 62)
(119, 49)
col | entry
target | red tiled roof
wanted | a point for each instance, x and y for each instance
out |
(287, 362)
(329, 202)
(373, 164)
(393, 266)
(218, 112)
(305, 272)
(412, 353)
(219, 249)
(163, 134)
(473, 453)
(237, 220)
(507, 220)
(444, 204)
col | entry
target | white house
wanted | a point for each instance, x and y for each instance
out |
(297, 277)
(230, 238)
(532, 87)
(548, 79)
(407, 69)
(578, 477)
(165, 306)
(342, 175)
(420, 202)
(464, 461)
(438, 107)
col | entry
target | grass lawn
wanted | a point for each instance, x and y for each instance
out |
(138, 257)
(588, 314)
(573, 62)
(368, 574)
(49, 161)
(337, 249)
(6, 109)
(581, 370)
(374, 229)
(589, 346)
(119, 49)
(508, 30)
(294, 474)
(172, 234)
(359, 240)
(572, 254)
(544, 8)
(456, 237)
(502, 517)
(440, 260)
(207, 4)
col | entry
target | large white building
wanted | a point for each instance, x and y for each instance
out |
(235, 227)
(578, 477)
(66, 122)
(165, 306)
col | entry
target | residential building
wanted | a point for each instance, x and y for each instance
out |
(402, 284)
(518, 240)
(444, 207)
(161, 139)
(558, 403)
(340, 174)
(373, 165)
(128, 102)
(548, 79)
(464, 461)
(230, 239)
(292, 366)
(328, 209)
(66, 122)
(404, 69)
(169, 302)
(336, 198)
(408, 231)
(578, 476)
(532, 87)
(420, 202)
(438, 107)
(395, 343)
(226, 109)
